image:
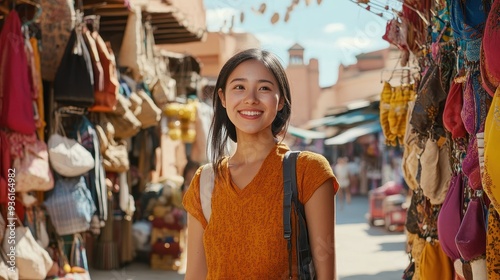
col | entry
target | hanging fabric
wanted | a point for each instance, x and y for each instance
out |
(16, 87)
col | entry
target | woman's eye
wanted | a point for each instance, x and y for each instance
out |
(265, 88)
(239, 87)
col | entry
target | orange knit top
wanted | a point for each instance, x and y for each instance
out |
(244, 239)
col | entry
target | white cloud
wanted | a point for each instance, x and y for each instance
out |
(221, 17)
(355, 42)
(334, 27)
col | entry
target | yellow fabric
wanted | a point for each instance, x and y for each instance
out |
(493, 245)
(417, 246)
(40, 123)
(385, 109)
(244, 239)
(395, 109)
(491, 176)
(435, 264)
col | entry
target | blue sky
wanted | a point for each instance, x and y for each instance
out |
(334, 31)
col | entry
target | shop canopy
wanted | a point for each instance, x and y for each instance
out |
(173, 21)
(349, 118)
(305, 133)
(353, 133)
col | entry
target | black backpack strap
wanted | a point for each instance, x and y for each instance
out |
(290, 191)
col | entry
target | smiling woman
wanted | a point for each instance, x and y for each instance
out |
(243, 238)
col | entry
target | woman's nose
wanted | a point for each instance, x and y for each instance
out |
(251, 97)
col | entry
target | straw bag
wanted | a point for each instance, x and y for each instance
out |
(114, 153)
(150, 113)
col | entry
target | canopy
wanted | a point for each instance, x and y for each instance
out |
(353, 133)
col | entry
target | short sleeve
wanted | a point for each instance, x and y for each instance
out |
(191, 200)
(312, 171)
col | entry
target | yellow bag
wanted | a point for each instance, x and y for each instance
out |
(434, 263)
(493, 245)
(491, 176)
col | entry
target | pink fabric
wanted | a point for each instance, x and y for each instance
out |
(450, 217)
(468, 110)
(16, 86)
(470, 165)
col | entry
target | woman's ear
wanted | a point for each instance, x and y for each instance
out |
(281, 103)
(222, 97)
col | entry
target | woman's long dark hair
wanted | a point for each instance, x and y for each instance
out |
(222, 128)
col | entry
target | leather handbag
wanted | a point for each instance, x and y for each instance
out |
(73, 83)
(305, 264)
(106, 96)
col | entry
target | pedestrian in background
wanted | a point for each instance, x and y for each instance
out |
(343, 177)
(243, 238)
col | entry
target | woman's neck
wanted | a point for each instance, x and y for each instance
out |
(248, 152)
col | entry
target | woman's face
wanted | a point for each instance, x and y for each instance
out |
(251, 98)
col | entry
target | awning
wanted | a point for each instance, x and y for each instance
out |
(353, 133)
(347, 119)
(173, 21)
(305, 133)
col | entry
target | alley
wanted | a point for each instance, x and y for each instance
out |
(363, 252)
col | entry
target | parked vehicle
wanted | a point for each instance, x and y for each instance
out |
(386, 206)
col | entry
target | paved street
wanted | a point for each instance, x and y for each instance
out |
(363, 252)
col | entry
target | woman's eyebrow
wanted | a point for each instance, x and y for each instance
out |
(244, 80)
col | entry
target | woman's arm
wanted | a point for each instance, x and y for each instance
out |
(320, 215)
(196, 263)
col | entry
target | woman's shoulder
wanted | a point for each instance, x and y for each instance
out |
(308, 156)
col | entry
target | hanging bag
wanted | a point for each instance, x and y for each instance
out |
(68, 157)
(32, 164)
(70, 205)
(16, 87)
(74, 84)
(32, 261)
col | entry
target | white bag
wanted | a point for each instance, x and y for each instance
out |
(67, 156)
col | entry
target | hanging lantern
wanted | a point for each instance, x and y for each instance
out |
(308, 2)
(275, 18)
(319, 2)
(287, 16)
(242, 17)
